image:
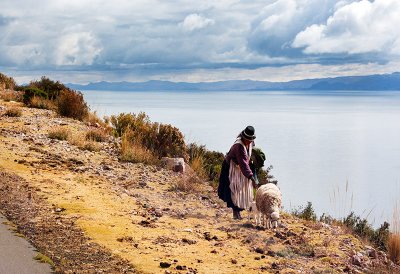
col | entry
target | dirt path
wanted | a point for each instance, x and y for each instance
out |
(16, 254)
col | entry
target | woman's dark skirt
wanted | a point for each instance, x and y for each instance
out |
(224, 192)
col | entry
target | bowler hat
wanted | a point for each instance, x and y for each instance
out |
(248, 133)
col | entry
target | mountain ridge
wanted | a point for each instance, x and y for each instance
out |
(369, 82)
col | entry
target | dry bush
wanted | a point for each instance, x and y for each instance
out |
(71, 104)
(91, 146)
(77, 140)
(394, 237)
(197, 164)
(162, 140)
(189, 182)
(97, 135)
(133, 151)
(41, 103)
(13, 112)
(59, 133)
(9, 95)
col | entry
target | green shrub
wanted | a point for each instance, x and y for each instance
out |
(362, 228)
(211, 160)
(53, 89)
(171, 142)
(31, 92)
(306, 213)
(71, 104)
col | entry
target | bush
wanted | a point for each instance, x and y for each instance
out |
(264, 176)
(133, 151)
(161, 140)
(32, 92)
(71, 104)
(363, 229)
(188, 182)
(170, 142)
(11, 96)
(41, 103)
(97, 135)
(205, 162)
(306, 213)
(13, 112)
(7, 82)
(51, 88)
(59, 133)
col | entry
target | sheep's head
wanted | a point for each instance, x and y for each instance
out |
(274, 219)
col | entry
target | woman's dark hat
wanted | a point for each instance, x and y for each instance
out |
(248, 133)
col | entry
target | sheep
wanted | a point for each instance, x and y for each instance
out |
(268, 202)
(254, 212)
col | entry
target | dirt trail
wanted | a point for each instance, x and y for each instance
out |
(133, 212)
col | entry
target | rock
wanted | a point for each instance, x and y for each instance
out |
(234, 261)
(180, 267)
(188, 241)
(371, 252)
(259, 250)
(356, 260)
(165, 264)
(174, 164)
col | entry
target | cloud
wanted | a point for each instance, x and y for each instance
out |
(194, 22)
(77, 49)
(278, 23)
(156, 38)
(356, 28)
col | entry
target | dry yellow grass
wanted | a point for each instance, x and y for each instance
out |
(133, 151)
(38, 102)
(59, 133)
(394, 237)
(13, 112)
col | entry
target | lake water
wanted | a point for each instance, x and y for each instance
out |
(339, 150)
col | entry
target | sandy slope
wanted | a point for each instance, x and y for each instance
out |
(131, 212)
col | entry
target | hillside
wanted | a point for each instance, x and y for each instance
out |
(89, 212)
(378, 82)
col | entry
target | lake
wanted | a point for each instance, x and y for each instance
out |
(339, 150)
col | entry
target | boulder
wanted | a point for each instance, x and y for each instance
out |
(174, 164)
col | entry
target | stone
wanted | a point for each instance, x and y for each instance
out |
(174, 164)
(165, 264)
(356, 260)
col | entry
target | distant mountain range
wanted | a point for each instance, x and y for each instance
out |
(371, 82)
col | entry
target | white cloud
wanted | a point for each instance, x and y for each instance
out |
(77, 49)
(356, 28)
(279, 21)
(194, 22)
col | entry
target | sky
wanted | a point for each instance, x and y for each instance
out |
(81, 41)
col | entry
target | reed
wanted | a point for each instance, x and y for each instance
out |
(394, 236)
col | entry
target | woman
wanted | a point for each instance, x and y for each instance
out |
(236, 181)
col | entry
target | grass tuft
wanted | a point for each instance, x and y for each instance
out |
(44, 259)
(59, 133)
(13, 112)
(96, 135)
(394, 237)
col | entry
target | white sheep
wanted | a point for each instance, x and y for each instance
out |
(253, 212)
(268, 202)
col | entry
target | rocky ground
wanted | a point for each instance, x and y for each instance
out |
(89, 212)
